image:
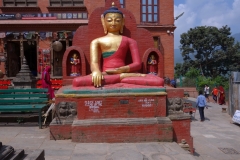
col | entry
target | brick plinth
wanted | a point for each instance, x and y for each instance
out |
(122, 130)
(181, 129)
(60, 131)
(116, 105)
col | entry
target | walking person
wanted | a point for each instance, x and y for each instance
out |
(221, 99)
(206, 92)
(215, 94)
(46, 82)
(201, 104)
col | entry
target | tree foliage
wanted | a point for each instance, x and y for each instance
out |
(210, 49)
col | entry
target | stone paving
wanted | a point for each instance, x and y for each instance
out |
(216, 138)
(215, 133)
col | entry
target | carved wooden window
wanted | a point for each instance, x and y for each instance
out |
(19, 3)
(122, 3)
(66, 3)
(149, 10)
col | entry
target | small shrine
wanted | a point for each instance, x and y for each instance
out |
(24, 79)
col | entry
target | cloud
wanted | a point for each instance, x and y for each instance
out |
(206, 13)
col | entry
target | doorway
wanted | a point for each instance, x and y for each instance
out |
(13, 58)
(30, 53)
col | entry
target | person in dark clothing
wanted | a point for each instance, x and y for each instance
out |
(173, 83)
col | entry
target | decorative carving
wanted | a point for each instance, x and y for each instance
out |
(67, 109)
(175, 105)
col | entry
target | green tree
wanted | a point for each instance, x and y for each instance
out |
(211, 49)
(178, 70)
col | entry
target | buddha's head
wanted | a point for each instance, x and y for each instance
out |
(153, 57)
(112, 20)
(75, 56)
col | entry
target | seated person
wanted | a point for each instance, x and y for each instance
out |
(114, 49)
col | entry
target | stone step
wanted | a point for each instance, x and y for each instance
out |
(8, 153)
(115, 130)
(37, 154)
(17, 155)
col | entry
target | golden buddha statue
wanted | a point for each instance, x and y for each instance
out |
(114, 49)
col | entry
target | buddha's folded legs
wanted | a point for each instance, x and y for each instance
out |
(147, 80)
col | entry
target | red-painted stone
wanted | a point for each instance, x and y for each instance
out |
(174, 92)
(181, 130)
(60, 132)
(121, 133)
(113, 107)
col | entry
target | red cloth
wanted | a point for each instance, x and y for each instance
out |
(46, 81)
(221, 99)
(118, 60)
(215, 91)
(76, 66)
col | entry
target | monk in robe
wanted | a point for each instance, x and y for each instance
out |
(114, 49)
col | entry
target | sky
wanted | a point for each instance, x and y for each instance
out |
(216, 13)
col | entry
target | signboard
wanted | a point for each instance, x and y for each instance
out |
(7, 16)
(236, 117)
(37, 16)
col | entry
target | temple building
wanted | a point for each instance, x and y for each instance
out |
(42, 30)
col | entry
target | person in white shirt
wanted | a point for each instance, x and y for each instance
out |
(206, 92)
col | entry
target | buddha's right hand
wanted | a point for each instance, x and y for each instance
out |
(97, 78)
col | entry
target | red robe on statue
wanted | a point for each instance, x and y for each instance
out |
(116, 60)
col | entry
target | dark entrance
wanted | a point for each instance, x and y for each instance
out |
(13, 58)
(30, 53)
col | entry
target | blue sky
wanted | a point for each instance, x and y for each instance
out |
(205, 13)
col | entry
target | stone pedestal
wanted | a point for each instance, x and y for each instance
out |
(24, 79)
(118, 113)
(114, 113)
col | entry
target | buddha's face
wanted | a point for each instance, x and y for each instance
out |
(75, 56)
(153, 57)
(113, 22)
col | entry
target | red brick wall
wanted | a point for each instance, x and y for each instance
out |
(135, 8)
(166, 12)
(60, 132)
(181, 130)
(43, 4)
(111, 108)
(174, 92)
(122, 133)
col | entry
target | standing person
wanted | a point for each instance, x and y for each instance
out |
(206, 92)
(215, 94)
(221, 99)
(46, 82)
(201, 103)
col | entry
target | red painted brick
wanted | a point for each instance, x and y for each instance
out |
(121, 133)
